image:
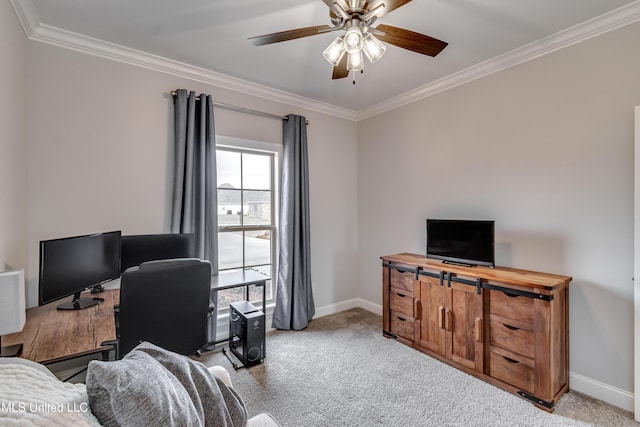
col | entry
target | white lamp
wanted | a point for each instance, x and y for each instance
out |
(355, 61)
(12, 308)
(373, 48)
(353, 40)
(335, 51)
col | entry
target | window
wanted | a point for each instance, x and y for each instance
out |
(246, 218)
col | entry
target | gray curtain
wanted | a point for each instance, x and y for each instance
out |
(294, 298)
(195, 197)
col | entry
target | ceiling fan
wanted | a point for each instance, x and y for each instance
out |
(356, 17)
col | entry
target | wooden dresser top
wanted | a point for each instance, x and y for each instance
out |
(527, 278)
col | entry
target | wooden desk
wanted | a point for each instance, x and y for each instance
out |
(50, 335)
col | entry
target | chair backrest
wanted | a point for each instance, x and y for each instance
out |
(140, 248)
(166, 303)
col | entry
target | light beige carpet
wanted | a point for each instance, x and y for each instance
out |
(340, 371)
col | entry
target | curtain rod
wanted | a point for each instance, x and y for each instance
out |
(244, 110)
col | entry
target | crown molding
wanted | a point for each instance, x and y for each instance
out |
(602, 24)
(37, 31)
(27, 16)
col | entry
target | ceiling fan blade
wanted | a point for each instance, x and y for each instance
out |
(389, 5)
(410, 40)
(287, 35)
(340, 72)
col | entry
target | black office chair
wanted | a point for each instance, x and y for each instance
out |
(166, 303)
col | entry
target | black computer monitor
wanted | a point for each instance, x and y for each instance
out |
(71, 265)
(140, 248)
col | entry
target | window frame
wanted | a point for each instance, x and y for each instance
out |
(274, 151)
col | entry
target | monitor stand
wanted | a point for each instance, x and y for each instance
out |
(97, 289)
(79, 303)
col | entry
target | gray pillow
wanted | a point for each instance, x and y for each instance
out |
(153, 386)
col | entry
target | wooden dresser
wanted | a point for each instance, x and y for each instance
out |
(508, 327)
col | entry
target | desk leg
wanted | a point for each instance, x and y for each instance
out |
(264, 310)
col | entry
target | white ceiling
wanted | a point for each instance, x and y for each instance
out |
(212, 34)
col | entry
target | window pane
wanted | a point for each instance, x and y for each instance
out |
(228, 296)
(257, 207)
(257, 247)
(256, 172)
(229, 207)
(229, 249)
(228, 168)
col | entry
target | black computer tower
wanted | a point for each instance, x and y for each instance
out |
(247, 333)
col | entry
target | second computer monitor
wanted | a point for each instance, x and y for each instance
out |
(141, 248)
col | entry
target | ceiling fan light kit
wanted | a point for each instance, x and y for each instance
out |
(373, 48)
(335, 51)
(356, 18)
(353, 39)
(355, 61)
(354, 43)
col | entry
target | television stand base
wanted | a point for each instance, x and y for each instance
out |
(462, 264)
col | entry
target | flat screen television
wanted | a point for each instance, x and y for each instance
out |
(140, 248)
(466, 242)
(71, 265)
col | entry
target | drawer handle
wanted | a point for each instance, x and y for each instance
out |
(512, 328)
(402, 319)
(510, 295)
(510, 360)
(441, 317)
(400, 295)
(447, 319)
(477, 331)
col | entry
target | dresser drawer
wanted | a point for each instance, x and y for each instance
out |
(403, 326)
(506, 335)
(513, 369)
(401, 302)
(511, 306)
(402, 280)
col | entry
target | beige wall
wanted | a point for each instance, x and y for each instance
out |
(546, 150)
(13, 145)
(99, 153)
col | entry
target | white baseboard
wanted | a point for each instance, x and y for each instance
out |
(326, 310)
(596, 389)
(599, 390)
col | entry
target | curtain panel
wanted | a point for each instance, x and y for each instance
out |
(294, 298)
(195, 201)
